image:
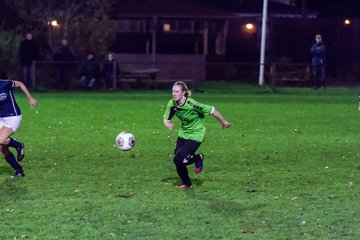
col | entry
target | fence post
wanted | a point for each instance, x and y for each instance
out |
(273, 76)
(114, 74)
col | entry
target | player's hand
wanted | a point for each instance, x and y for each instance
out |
(33, 102)
(170, 126)
(225, 124)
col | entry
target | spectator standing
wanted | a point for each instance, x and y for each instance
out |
(28, 53)
(63, 58)
(89, 72)
(108, 70)
(318, 52)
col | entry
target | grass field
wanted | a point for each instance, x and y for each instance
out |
(288, 168)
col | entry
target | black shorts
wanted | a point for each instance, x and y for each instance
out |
(186, 147)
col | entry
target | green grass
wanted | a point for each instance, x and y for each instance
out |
(288, 168)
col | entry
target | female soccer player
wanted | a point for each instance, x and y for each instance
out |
(192, 131)
(10, 118)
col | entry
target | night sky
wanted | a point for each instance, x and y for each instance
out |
(325, 8)
(329, 8)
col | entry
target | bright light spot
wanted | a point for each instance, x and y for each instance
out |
(54, 23)
(347, 22)
(249, 26)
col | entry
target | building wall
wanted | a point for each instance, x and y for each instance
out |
(288, 38)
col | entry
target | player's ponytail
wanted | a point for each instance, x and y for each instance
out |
(184, 87)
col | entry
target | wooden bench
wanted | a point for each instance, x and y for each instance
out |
(290, 74)
(149, 73)
(144, 78)
(128, 75)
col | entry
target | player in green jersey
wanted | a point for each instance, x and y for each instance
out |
(192, 132)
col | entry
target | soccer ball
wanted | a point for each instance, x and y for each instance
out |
(125, 141)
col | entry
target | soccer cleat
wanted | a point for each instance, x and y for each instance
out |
(20, 152)
(19, 173)
(199, 164)
(183, 186)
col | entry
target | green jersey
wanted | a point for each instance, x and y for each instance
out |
(192, 117)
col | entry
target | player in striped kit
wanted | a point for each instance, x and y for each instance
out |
(192, 132)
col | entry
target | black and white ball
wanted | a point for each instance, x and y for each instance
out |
(125, 141)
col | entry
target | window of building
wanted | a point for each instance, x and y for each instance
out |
(178, 26)
(169, 26)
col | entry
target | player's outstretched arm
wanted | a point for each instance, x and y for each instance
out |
(168, 124)
(219, 117)
(32, 101)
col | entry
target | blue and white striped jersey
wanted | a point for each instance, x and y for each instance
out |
(8, 105)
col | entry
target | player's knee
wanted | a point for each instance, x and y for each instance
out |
(3, 140)
(180, 159)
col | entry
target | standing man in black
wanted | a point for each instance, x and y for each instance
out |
(318, 51)
(28, 52)
(110, 68)
(64, 57)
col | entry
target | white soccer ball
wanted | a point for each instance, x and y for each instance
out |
(125, 141)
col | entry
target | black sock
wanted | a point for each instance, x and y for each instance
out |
(13, 143)
(14, 164)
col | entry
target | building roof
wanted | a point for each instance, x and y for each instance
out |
(169, 9)
(126, 9)
(275, 9)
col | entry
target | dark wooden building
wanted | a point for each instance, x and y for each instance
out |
(181, 37)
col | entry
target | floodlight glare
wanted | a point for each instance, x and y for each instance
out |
(54, 23)
(249, 26)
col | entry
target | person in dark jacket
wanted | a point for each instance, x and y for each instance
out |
(110, 69)
(63, 57)
(28, 52)
(89, 72)
(318, 51)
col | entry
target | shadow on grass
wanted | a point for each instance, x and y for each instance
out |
(229, 207)
(11, 188)
(176, 181)
(233, 208)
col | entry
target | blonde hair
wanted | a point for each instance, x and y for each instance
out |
(184, 87)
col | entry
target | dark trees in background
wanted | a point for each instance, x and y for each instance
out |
(84, 23)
